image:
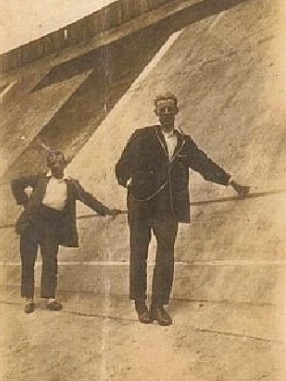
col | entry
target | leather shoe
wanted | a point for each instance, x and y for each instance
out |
(142, 312)
(158, 313)
(54, 306)
(29, 307)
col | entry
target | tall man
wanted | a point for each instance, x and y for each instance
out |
(48, 220)
(154, 167)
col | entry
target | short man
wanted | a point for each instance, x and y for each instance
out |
(154, 167)
(48, 220)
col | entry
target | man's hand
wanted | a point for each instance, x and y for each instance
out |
(128, 183)
(115, 212)
(241, 190)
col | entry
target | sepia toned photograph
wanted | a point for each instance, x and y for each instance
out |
(143, 189)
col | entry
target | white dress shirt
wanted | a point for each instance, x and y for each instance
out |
(56, 193)
(171, 140)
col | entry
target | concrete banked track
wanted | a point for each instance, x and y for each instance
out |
(228, 71)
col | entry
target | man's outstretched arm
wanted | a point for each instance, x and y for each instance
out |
(200, 162)
(89, 200)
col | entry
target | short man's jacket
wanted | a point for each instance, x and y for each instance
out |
(145, 164)
(75, 191)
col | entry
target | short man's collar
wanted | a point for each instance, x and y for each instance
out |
(65, 177)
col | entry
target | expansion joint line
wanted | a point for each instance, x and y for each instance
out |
(193, 328)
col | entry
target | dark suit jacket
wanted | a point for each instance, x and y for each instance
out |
(74, 192)
(145, 161)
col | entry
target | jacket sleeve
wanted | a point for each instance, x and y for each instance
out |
(124, 166)
(19, 185)
(200, 162)
(89, 200)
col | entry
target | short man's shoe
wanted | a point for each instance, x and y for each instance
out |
(29, 307)
(158, 313)
(54, 306)
(142, 312)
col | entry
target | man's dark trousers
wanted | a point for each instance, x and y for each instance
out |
(145, 218)
(43, 232)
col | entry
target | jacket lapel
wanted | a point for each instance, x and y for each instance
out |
(161, 140)
(180, 144)
(70, 190)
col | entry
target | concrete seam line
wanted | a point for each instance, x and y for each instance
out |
(215, 263)
(222, 301)
(173, 299)
(239, 335)
(194, 328)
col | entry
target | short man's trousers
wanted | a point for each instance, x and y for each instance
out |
(44, 233)
(164, 228)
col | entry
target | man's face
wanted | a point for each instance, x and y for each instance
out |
(166, 111)
(57, 164)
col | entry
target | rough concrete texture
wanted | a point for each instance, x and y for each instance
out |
(228, 71)
(25, 112)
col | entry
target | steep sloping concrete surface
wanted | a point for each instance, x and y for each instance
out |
(228, 299)
(25, 112)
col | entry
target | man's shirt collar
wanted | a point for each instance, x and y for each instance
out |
(169, 134)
